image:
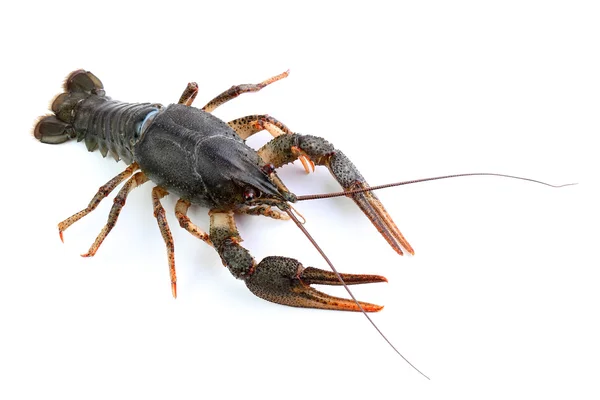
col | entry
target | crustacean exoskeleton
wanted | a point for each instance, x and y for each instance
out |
(191, 153)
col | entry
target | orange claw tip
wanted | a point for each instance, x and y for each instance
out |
(174, 289)
(406, 245)
(350, 305)
(407, 248)
(61, 236)
(372, 308)
(304, 164)
(398, 250)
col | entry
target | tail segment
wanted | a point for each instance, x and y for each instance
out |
(57, 128)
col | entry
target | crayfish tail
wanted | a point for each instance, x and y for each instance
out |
(83, 81)
(57, 128)
(50, 129)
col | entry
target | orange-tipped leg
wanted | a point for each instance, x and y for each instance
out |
(159, 213)
(285, 281)
(136, 180)
(236, 90)
(104, 191)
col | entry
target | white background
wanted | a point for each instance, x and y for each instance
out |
(500, 300)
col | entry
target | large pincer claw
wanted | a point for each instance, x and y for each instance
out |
(285, 281)
(350, 178)
(287, 148)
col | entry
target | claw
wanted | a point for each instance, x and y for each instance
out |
(342, 169)
(348, 176)
(285, 281)
(285, 149)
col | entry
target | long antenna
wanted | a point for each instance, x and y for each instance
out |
(299, 224)
(338, 194)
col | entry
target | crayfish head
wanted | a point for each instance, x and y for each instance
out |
(266, 189)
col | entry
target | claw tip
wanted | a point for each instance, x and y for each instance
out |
(174, 289)
(373, 308)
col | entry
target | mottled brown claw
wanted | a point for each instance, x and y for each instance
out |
(374, 210)
(348, 176)
(285, 281)
(321, 152)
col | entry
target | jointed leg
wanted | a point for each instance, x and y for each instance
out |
(235, 91)
(181, 209)
(265, 210)
(159, 212)
(251, 124)
(280, 279)
(119, 202)
(100, 195)
(287, 148)
(189, 94)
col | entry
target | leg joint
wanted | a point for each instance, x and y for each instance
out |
(237, 259)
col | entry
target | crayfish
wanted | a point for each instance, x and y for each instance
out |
(205, 161)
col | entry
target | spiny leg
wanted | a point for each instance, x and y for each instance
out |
(159, 213)
(181, 209)
(189, 94)
(251, 124)
(287, 148)
(235, 91)
(104, 191)
(119, 201)
(281, 280)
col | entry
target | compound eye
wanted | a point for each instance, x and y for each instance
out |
(268, 169)
(249, 194)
